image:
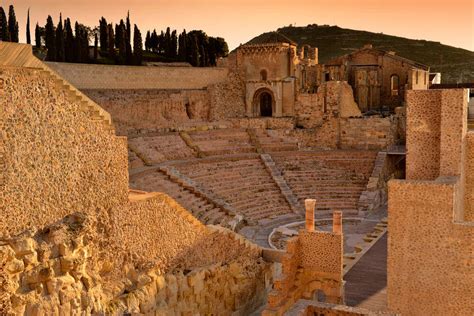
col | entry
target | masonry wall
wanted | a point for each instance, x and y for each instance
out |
(227, 98)
(57, 159)
(430, 255)
(143, 109)
(372, 133)
(84, 76)
(430, 214)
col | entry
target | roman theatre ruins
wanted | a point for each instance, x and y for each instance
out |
(270, 184)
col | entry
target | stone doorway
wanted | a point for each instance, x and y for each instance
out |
(266, 103)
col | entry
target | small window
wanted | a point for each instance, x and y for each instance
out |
(417, 74)
(327, 77)
(394, 85)
(426, 74)
(263, 75)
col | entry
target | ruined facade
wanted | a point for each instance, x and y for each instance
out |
(379, 78)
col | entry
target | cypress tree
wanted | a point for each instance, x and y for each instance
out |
(194, 52)
(69, 42)
(182, 48)
(147, 41)
(28, 35)
(103, 35)
(50, 40)
(120, 42)
(111, 40)
(128, 38)
(203, 56)
(60, 49)
(38, 36)
(96, 43)
(167, 43)
(154, 41)
(4, 32)
(12, 25)
(211, 52)
(174, 45)
(162, 44)
(137, 46)
(82, 39)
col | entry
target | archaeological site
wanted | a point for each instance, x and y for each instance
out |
(270, 184)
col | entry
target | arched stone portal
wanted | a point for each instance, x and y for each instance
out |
(263, 103)
(266, 104)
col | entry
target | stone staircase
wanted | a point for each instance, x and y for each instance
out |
(204, 209)
(21, 55)
(335, 179)
(292, 200)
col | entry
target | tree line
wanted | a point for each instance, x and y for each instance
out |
(114, 44)
(64, 45)
(8, 27)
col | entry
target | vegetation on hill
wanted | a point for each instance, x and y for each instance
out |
(455, 64)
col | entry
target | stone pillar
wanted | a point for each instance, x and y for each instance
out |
(310, 204)
(337, 222)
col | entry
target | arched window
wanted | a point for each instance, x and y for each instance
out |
(394, 85)
(263, 75)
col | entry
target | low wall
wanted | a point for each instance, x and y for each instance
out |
(88, 76)
(372, 133)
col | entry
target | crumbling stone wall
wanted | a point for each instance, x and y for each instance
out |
(227, 98)
(312, 262)
(145, 109)
(57, 158)
(64, 268)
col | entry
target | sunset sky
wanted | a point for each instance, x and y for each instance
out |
(447, 21)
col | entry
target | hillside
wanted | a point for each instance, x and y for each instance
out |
(455, 64)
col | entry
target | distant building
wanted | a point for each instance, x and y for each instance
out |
(379, 78)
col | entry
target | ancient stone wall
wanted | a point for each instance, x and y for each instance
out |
(312, 263)
(146, 109)
(430, 213)
(88, 76)
(227, 98)
(373, 133)
(309, 110)
(428, 253)
(57, 158)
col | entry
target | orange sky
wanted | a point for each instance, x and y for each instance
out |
(448, 21)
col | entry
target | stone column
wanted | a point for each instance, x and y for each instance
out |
(310, 204)
(337, 222)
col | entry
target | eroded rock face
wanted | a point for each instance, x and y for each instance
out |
(60, 269)
(51, 270)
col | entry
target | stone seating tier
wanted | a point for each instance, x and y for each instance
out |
(245, 184)
(335, 179)
(157, 149)
(200, 207)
